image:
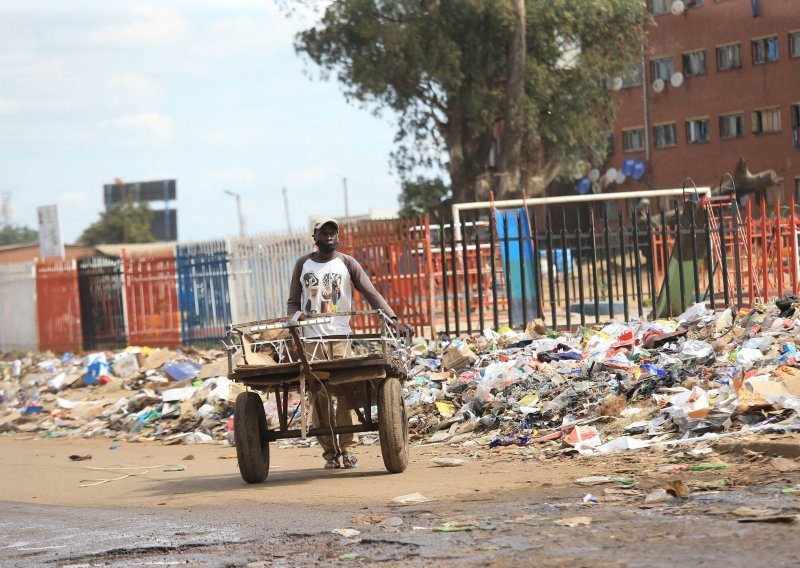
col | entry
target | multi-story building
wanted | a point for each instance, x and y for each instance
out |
(720, 82)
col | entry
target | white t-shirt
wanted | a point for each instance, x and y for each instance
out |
(327, 288)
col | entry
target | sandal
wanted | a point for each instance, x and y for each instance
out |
(332, 464)
(349, 460)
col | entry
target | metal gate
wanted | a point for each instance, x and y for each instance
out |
(396, 254)
(58, 306)
(260, 272)
(102, 308)
(151, 295)
(18, 307)
(203, 294)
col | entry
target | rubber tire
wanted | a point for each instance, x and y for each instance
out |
(249, 429)
(393, 425)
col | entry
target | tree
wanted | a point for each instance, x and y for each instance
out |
(422, 196)
(124, 222)
(17, 234)
(468, 80)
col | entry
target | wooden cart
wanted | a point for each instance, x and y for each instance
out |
(272, 356)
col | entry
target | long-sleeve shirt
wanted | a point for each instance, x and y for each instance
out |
(327, 288)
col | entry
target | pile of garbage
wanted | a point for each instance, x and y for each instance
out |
(611, 387)
(141, 394)
(605, 388)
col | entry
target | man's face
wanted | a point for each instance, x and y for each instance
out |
(327, 236)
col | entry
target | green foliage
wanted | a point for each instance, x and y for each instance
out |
(121, 223)
(17, 234)
(421, 196)
(442, 66)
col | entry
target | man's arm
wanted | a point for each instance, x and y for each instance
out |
(362, 283)
(295, 289)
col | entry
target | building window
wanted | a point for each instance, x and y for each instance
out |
(664, 135)
(658, 7)
(694, 63)
(797, 190)
(765, 50)
(697, 131)
(795, 112)
(766, 120)
(633, 77)
(729, 57)
(612, 144)
(661, 68)
(693, 3)
(633, 140)
(794, 44)
(731, 126)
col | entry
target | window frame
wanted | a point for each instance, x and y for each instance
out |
(794, 114)
(722, 117)
(658, 60)
(667, 6)
(674, 135)
(684, 57)
(794, 42)
(727, 46)
(625, 149)
(705, 140)
(766, 52)
(763, 132)
(628, 82)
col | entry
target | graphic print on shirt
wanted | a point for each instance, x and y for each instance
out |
(311, 284)
(331, 292)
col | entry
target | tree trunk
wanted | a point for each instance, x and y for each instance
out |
(509, 159)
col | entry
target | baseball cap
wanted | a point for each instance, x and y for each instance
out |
(324, 220)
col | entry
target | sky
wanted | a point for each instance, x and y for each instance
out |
(208, 92)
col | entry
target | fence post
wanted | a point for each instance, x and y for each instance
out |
(465, 265)
(594, 268)
(579, 250)
(793, 240)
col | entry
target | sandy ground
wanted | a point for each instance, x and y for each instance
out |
(40, 471)
(165, 505)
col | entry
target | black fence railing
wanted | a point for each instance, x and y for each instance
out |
(578, 269)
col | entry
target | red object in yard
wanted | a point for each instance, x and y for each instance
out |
(580, 434)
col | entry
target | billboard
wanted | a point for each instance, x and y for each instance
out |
(50, 241)
(161, 190)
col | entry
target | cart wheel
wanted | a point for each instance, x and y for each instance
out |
(249, 429)
(393, 425)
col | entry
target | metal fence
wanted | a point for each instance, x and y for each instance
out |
(101, 300)
(18, 307)
(396, 254)
(58, 306)
(203, 295)
(501, 270)
(505, 270)
(151, 296)
(260, 270)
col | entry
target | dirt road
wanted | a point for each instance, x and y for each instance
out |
(154, 504)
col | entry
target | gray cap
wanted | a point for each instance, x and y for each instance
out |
(324, 221)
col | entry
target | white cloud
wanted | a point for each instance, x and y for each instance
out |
(147, 26)
(137, 129)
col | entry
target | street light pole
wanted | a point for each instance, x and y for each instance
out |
(346, 208)
(238, 210)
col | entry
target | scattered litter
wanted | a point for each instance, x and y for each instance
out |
(411, 498)
(77, 457)
(347, 533)
(448, 462)
(574, 522)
